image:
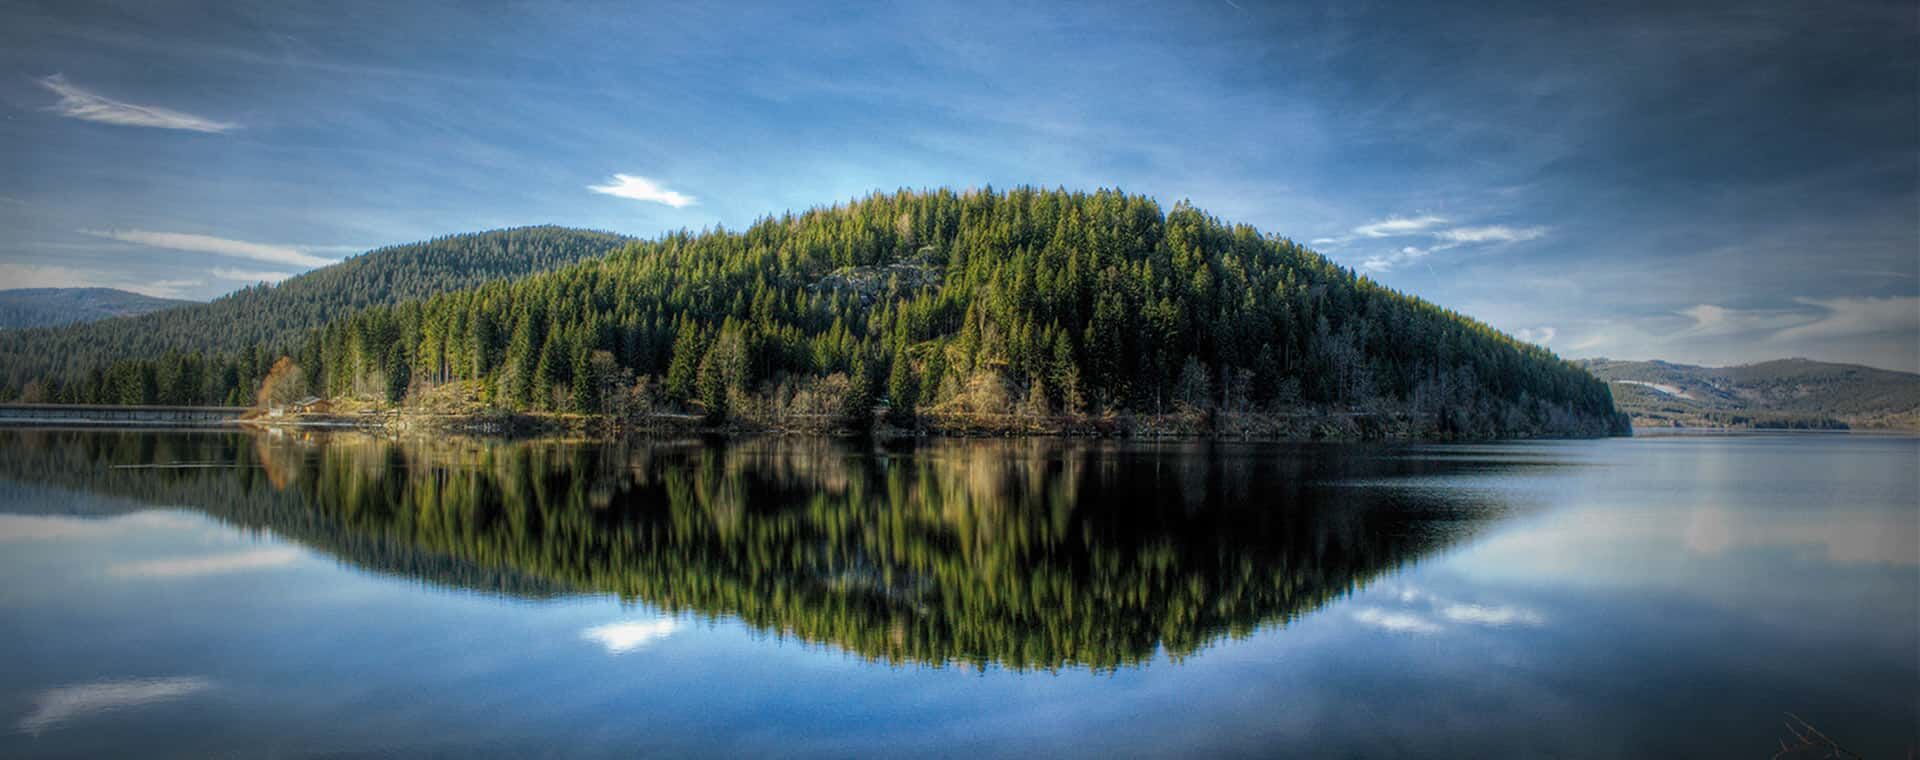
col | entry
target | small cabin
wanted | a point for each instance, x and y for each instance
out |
(308, 405)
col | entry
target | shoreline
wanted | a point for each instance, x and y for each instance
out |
(1266, 427)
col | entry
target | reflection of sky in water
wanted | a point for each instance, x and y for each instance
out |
(1671, 597)
(58, 705)
(624, 637)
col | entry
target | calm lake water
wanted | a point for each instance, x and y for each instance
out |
(200, 594)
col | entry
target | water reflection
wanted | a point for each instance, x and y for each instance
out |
(1027, 554)
(60, 705)
(621, 638)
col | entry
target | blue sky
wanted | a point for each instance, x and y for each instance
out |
(1718, 183)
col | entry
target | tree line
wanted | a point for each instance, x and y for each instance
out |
(936, 303)
(218, 352)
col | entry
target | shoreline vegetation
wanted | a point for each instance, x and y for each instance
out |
(756, 417)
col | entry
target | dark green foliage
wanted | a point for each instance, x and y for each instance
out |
(903, 388)
(1018, 303)
(274, 319)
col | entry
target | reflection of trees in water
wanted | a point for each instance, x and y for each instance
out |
(1028, 554)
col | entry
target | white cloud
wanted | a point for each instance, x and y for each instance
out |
(1706, 316)
(87, 106)
(620, 638)
(210, 564)
(1404, 255)
(1427, 226)
(244, 275)
(643, 189)
(180, 241)
(1398, 226)
(34, 276)
(1541, 335)
(1397, 622)
(1491, 234)
(59, 705)
(1710, 320)
(1846, 317)
(1475, 614)
(1834, 318)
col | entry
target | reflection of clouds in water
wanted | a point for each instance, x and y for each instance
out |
(1676, 547)
(205, 564)
(1398, 622)
(1503, 615)
(1417, 621)
(59, 705)
(61, 528)
(620, 638)
(1709, 530)
(1847, 536)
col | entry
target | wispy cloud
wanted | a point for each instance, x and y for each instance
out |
(620, 638)
(1428, 226)
(1408, 620)
(1846, 317)
(211, 564)
(59, 705)
(1490, 234)
(245, 275)
(1397, 622)
(88, 106)
(1398, 226)
(1386, 262)
(1710, 320)
(180, 241)
(1500, 616)
(643, 189)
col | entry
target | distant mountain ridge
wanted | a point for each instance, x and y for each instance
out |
(52, 307)
(265, 318)
(1784, 393)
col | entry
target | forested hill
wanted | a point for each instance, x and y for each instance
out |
(1784, 393)
(977, 307)
(50, 307)
(268, 317)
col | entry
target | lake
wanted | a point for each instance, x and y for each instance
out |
(217, 593)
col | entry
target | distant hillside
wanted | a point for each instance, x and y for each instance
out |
(52, 307)
(1015, 310)
(266, 318)
(1786, 393)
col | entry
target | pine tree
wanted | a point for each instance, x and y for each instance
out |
(903, 389)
